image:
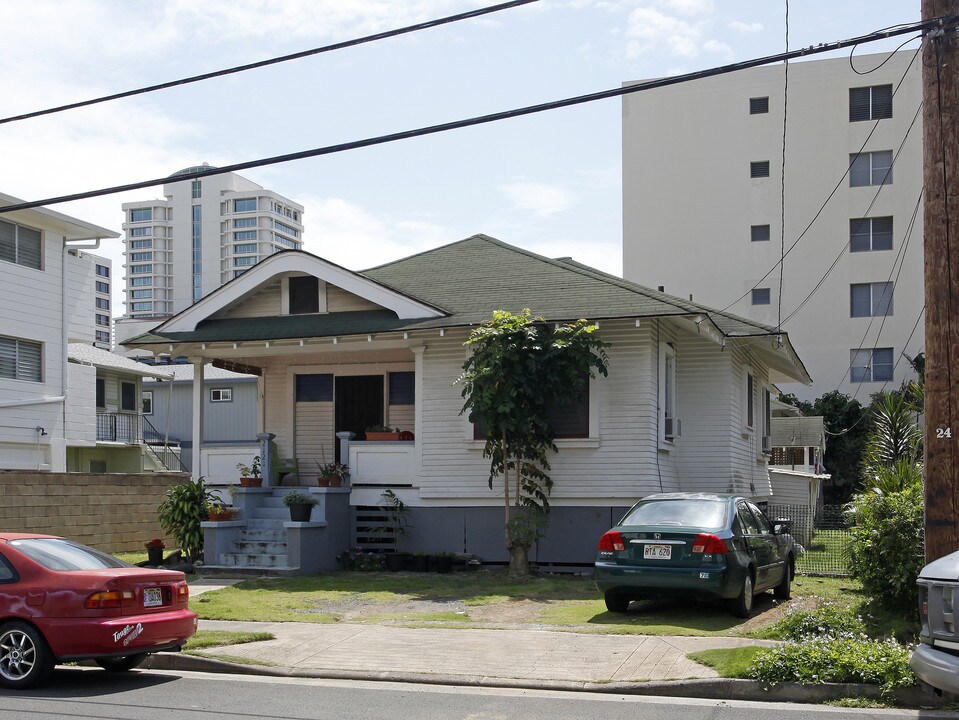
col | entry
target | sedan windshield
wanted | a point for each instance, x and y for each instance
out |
(703, 514)
(59, 554)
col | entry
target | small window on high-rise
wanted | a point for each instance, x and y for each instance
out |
(758, 105)
(870, 103)
(759, 233)
(759, 169)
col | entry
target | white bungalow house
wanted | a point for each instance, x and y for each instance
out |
(686, 405)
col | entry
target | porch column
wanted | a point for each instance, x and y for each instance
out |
(418, 352)
(197, 417)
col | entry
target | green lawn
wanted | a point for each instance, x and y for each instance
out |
(482, 599)
(827, 553)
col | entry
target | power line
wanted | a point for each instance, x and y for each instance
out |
(492, 117)
(273, 61)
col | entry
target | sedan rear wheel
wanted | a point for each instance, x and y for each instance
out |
(25, 658)
(121, 664)
(616, 603)
(742, 606)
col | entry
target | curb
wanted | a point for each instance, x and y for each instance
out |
(712, 689)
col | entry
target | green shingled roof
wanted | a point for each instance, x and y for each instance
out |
(468, 280)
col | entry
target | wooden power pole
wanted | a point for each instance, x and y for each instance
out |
(940, 94)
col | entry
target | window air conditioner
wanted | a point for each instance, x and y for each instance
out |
(673, 428)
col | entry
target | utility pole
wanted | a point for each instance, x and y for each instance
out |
(940, 95)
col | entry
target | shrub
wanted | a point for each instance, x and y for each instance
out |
(183, 509)
(887, 545)
(829, 620)
(830, 659)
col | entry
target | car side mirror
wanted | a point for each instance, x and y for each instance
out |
(782, 526)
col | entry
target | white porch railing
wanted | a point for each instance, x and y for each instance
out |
(381, 463)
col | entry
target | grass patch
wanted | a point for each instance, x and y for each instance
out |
(279, 599)
(828, 552)
(647, 617)
(132, 557)
(728, 662)
(219, 638)
(235, 659)
(837, 589)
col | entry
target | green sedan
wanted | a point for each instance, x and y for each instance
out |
(687, 544)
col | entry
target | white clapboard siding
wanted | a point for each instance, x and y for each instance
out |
(81, 412)
(265, 302)
(339, 300)
(314, 435)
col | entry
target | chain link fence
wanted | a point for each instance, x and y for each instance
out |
(824, 535)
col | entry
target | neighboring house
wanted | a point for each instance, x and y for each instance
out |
(229, 416)
(105, 429)
(686, 405)
(46, 302)
(703, 168)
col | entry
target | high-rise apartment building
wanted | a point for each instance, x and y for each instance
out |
(203, 233)
(703, 169)
(102, 298)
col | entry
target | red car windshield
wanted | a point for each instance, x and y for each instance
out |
(699, 514)
(59, 554)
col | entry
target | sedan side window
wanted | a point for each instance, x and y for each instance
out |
(764, 527)
(747, 519)
(7, 573)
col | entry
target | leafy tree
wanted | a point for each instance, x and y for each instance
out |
(520, 368)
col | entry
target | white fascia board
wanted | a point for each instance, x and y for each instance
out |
(70, 227)
(293, 261)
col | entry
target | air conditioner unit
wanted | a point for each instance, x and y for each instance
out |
(673, 428)
(767, 444)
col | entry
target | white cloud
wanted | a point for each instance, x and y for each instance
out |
(717, 48)
(539, 198)
(688, 7)
(747, 28)
(648, 29)
(349, 235)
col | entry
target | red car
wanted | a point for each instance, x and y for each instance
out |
(62, 601)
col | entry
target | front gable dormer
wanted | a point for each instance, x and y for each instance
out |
(297, 283)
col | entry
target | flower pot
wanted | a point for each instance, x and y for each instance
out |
(224, 514)
(155, 556)
(251, 481)
(301, 512)
(323, 481)
(382, 435)
(336, 481)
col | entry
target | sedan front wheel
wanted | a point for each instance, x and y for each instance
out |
(25, 658)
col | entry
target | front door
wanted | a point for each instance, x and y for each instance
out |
(358, 401)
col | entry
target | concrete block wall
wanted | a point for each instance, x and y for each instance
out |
(114, 513)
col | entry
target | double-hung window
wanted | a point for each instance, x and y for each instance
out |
(868, 234)
(873, 365)
(870, 103)
(870, 299)
(870, 168)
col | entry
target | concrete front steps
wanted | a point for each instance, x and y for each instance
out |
(261, 548)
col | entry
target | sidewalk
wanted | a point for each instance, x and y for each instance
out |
(515, 658)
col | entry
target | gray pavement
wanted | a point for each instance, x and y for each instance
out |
(546, 659)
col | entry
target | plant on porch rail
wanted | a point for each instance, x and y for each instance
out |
(520, 368)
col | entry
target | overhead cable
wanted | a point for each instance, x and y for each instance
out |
(492, 117)
(273, 61)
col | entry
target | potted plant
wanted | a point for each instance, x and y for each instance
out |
(217, 511)
(300, 504)
(250, 474)
(155, 551)
(382, 432)
(331, 474)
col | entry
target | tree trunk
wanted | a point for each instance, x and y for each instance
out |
(518, 559)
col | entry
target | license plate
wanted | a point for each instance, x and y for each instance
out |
(152, 597)
(657, 552)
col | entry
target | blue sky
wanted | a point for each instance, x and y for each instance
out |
(550, 182)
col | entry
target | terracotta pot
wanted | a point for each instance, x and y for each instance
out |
(251, 481)
(336, 481)
(218, 515)
(382, 436)
(324, 481)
